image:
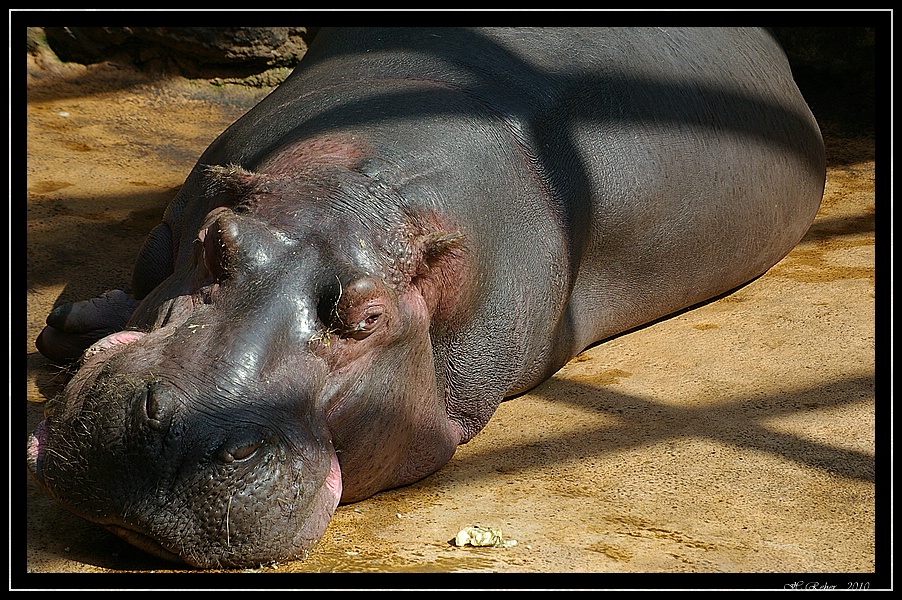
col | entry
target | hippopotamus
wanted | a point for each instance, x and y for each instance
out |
(416, 225)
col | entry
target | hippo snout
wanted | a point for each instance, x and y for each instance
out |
(104, 424)
(205, 475)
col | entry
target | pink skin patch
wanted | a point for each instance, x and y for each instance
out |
(114, 339)
(339, 149)
(333, 480)
(37, 442)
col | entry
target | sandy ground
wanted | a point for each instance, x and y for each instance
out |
(738, 437)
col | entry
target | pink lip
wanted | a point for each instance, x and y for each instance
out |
(37, 442)
(114, 339)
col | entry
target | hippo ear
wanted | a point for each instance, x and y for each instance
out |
(439, 276)
(232, 180)
(233, 243)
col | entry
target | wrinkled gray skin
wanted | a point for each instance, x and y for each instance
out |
(414, 226)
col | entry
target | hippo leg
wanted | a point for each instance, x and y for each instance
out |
(74, 327)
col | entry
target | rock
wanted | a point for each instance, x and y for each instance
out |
(187, 51)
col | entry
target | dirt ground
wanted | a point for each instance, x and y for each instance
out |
(737, 437)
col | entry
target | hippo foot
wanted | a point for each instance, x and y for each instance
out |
(72, 328)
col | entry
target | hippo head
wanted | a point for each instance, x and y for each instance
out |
(285, 365)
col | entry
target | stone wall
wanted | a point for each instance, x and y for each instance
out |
(187, 51)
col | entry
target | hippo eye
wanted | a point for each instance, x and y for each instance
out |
(242, 452)
(372, 318)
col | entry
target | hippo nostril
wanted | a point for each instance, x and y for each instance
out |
(152, 408)
(156, 406)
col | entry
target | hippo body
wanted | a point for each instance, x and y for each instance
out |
(414, 226)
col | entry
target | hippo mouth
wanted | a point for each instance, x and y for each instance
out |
(37, 444)
(145, 543)
(41, 463)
